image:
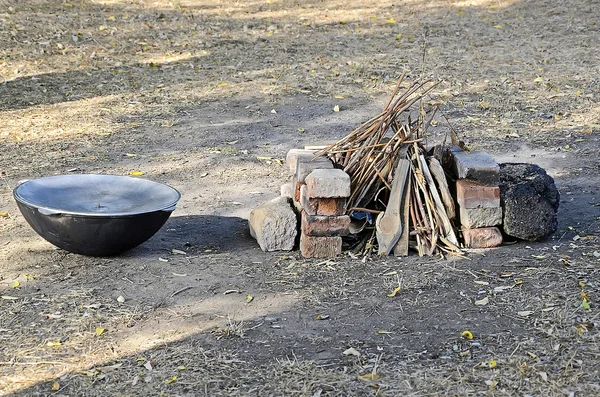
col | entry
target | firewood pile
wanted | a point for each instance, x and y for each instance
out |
(395, 182)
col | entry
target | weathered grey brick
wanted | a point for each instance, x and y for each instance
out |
(472, 218)
(477, 166)
(305, 166)
(333, 183)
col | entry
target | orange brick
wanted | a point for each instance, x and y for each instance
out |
(320, 247)
(484, 237)
(322, 206)
(471, 194)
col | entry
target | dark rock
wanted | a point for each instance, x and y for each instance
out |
(529, 200)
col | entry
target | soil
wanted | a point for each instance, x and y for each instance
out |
(208, 96)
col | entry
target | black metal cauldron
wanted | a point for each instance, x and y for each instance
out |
(97, 215)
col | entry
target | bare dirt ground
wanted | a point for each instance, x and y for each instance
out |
(190, 93)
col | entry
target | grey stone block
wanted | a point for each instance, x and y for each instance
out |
(274, 225)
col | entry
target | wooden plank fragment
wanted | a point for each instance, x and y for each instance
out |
(439, 206)
(440, 177)
(401, 248)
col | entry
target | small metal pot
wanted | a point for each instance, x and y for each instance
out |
(96, 215)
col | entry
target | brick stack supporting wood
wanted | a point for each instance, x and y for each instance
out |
(319, 193)
(478, 198)
(324, 222)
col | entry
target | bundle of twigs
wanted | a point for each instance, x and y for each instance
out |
(370, 153)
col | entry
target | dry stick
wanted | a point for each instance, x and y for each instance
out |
(395, 108)
(367, 168)
(419, 205)
(395, 90)
(439, 206)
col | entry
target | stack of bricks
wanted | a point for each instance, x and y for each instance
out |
(320, 192)
(478, 198)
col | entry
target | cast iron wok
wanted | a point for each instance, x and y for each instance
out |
(96, 215)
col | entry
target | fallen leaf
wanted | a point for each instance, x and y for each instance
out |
(55, 386)
(543, 375)
(169, 381)
(539, 256)
(130, 155)
(300, 129)
(351, 352)
(532, 355)
(498, 27)
(482, 302)
(585, 304)
(538, 80)
(518, 282)
(53, 344)
(4, 214)
(467, 335)
(339, 97)
(29, 277)
(391, 20)
(336, 108)
(9, 298)
(16, 284)
(249, 298)
(492, 384)
(121, 299)
(493, 364)
(100, 331)
(584, 295)
(322, 316)
(136, 173)
(382, 332)
(179, 252)
(162, 259)
(394, 292)
(525, 313)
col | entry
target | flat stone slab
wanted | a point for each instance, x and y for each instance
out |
(274, 225)
(477, 166)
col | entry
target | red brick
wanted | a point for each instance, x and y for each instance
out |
(320, 247)
(470, 194)
(324, 226)
(322, 206)
(485, 237)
